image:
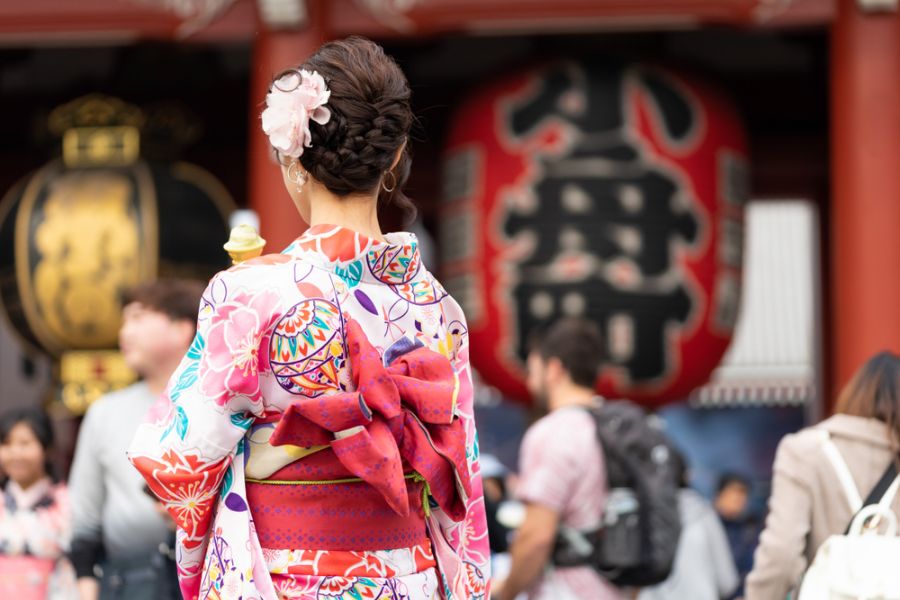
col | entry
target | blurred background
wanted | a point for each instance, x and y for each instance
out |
(715, 183)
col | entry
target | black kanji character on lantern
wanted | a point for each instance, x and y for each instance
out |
(605, 216)
(646, 316)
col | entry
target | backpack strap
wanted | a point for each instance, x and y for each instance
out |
(842, 471)
(885, 490)
(595, 411)
(882, 494)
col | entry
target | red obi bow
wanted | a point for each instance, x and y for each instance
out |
(404, 408)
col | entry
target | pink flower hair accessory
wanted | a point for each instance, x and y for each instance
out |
(295, 98)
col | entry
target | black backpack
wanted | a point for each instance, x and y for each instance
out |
(636, 541)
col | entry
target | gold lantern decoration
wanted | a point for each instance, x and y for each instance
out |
(82, 229)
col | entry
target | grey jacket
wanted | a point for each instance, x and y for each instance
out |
(105, 491)
(808, 503)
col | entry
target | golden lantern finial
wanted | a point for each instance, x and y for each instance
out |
(244, 243)
(98, 130)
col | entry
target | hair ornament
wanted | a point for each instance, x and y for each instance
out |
(294, 99)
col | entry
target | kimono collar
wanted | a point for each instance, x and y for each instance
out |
(27, 499)
(355, 257)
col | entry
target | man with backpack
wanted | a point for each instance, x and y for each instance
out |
(598, 480)
(562, 472)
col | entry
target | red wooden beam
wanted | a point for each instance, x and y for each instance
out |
(36, 22)
(427, 17)
(57, 22)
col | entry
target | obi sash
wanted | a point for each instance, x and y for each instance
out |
(316, 504)
(25, 577)
(376, 457)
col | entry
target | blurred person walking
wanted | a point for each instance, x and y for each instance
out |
(34, 515)
(808, 502)
(742, 525)
(704, 568)
(122, 541)
(562, 473)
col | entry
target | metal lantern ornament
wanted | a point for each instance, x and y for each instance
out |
(608, 191)
(80, 230)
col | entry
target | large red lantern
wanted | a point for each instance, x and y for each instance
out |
(608, 191)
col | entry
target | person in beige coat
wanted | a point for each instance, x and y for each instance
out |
(808, 503)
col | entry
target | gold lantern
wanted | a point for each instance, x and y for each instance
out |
(79, 231)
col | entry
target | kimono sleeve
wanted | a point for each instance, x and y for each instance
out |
(185, 454)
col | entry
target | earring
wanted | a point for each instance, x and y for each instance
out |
(393, 182)
(297, 175)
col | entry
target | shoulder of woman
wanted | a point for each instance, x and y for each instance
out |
(859, 429)
(253, 276)
(257, 267)
(800, 449)
(452, 307)
(803, 440)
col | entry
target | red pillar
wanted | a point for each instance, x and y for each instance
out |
(274, 51)
(865, 205)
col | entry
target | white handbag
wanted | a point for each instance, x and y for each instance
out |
(864, 563)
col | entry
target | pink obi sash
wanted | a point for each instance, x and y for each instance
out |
(401, 419)
(384, 449)
(316, 504)
(25, 577)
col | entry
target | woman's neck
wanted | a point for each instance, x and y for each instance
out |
(356, 212)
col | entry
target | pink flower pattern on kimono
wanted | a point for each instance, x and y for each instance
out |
(470, 534)
(237, 349)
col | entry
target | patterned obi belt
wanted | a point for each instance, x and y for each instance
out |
(358, 470)
(315, 503)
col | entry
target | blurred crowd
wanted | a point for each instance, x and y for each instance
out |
(583, 497)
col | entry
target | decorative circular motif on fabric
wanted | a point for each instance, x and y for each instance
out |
(422, 292)
(394, 264)
(307, 351)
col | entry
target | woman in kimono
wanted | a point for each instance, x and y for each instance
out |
(35, 525)
(320, 441)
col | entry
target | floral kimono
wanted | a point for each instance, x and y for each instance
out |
(34, 537)
(321, 441)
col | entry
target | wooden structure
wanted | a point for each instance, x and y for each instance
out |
(858, 190)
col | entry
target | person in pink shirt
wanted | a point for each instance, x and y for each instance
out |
(562, 479)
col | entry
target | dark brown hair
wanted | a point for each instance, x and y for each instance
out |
(873, 393)
(577, 344)
(370, 121)
(178, 299)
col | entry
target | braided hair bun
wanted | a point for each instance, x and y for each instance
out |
(370, 121)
